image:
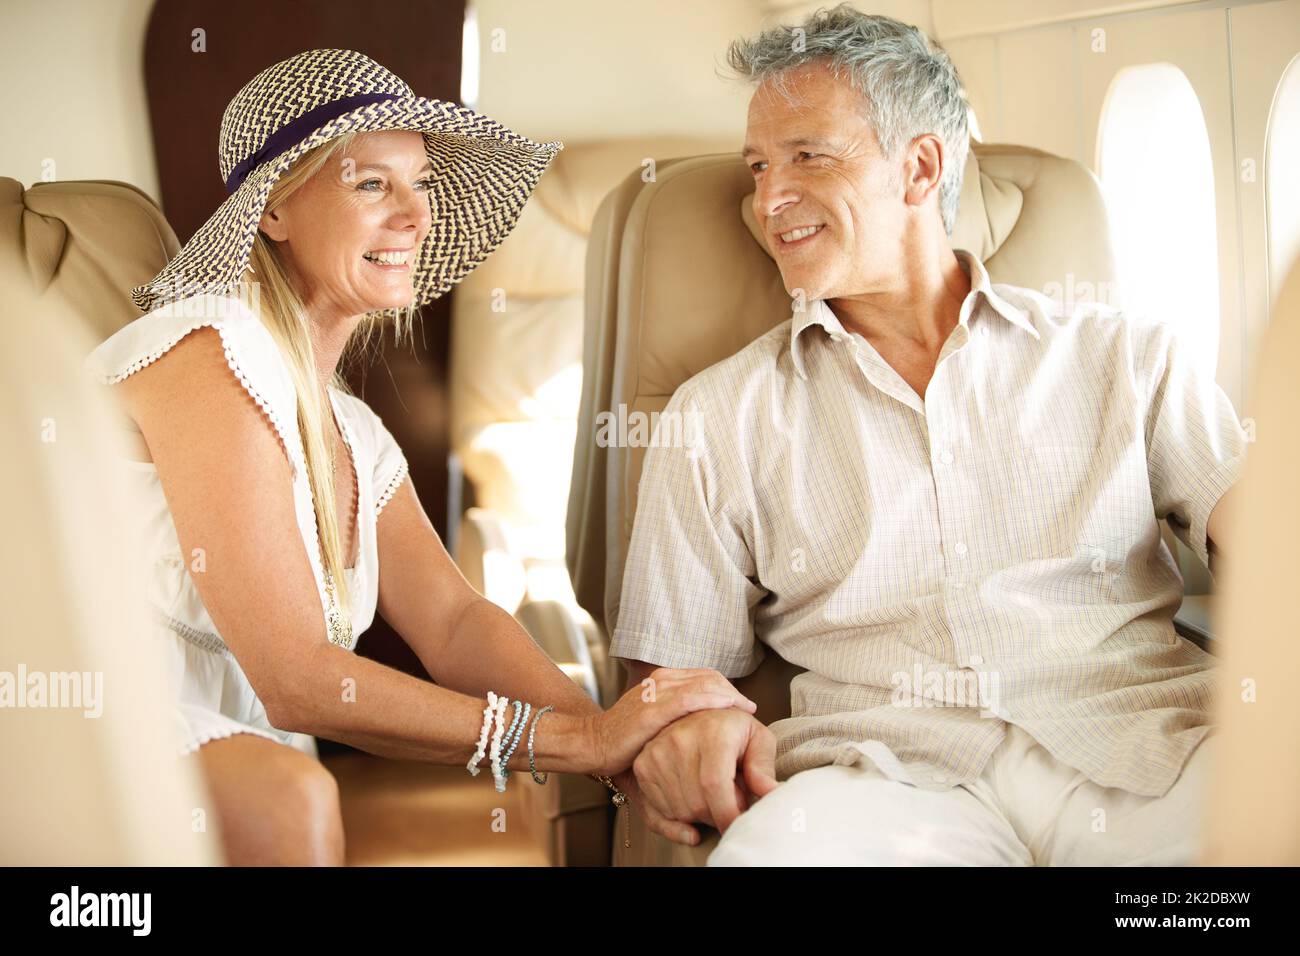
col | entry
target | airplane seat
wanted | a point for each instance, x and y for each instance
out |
(88, 243)
(679, 278)
(1251, 816)
(516, 375)
(91, 775)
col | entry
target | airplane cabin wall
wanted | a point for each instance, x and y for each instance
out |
(586, 84)
(73, 95)
(916, 12)
(592, 69)
(1039, 74)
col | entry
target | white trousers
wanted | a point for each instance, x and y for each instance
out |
(1025, 809)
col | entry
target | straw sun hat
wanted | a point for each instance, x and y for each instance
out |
(483, 172)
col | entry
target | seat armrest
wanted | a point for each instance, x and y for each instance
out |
(484, 557)
(570, 639)
(1193, 620)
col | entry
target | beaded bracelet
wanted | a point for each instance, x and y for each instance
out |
(514, 736)
(510, 732)
(495, 752)
(532, 757)
(512, 741)
(499, 772)
(479, 750)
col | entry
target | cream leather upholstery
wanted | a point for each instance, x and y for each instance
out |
(1253, 817)
(96, 785)
(77, 246)
(679, 278)
(516, 372)
(516, 377)
(86, 240)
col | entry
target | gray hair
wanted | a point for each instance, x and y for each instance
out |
(909, 84)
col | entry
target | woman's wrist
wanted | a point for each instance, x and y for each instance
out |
(565, 743)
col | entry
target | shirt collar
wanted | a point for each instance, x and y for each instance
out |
(817, 312)
(980, 285)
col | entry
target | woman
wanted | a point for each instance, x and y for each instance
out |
(275, 499)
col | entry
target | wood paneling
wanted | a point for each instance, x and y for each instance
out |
(198, 53)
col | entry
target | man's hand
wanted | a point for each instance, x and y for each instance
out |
(694, 769)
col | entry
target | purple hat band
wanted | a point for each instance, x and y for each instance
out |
(295, 131)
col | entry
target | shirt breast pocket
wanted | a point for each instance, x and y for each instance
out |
(1088, 505)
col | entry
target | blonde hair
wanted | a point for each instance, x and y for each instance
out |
(285, 317)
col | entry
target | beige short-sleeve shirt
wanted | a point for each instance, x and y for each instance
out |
(989, 554)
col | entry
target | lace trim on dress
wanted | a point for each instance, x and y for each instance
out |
(202, 639)
(394, 483)
(267, 409)
(345, 428)
(192, 745)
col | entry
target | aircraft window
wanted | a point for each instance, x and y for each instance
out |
(469, 57)
(1155, 167)
(1282, 184)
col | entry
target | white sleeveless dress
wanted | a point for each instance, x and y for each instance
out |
(213, 696)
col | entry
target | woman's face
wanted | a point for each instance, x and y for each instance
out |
(370, 200)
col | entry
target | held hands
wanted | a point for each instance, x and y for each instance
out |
(694, 771)
(621, 732)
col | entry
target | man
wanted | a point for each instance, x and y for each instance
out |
(938, 496)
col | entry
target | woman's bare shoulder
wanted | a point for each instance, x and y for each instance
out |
(191, 394)
(196, 360)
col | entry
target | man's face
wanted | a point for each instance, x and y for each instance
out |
(817, 164)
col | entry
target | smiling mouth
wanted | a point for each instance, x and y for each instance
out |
(390, 259)
(801, 235)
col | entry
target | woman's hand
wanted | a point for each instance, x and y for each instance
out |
(667, 694)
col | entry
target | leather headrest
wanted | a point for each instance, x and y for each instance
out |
(88, 241)
(987, 212)
(42, 237)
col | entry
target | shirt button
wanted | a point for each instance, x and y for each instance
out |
(945, 457)
(959, 547)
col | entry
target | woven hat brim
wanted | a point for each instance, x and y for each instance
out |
(483, 176)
